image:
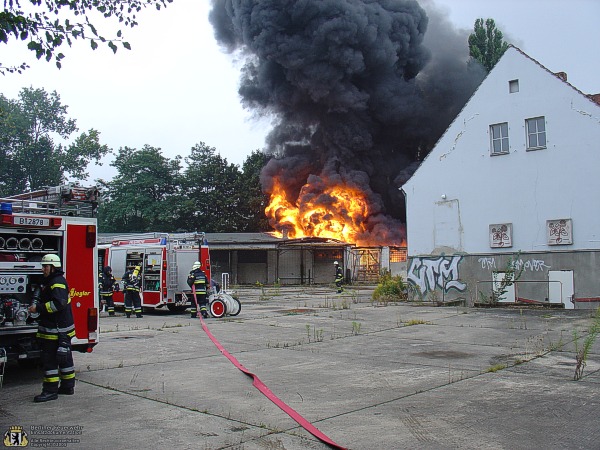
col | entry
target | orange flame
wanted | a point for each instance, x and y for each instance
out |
(339, 212)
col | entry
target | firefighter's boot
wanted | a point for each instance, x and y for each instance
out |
(45, 396)
(204, 312)
(64, 390)
(138, 315)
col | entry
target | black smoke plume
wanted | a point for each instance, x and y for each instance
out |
(360, 91)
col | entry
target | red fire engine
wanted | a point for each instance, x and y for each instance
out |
(165, 260)
(60, 221)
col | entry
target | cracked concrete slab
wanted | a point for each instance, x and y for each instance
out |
(368, 376)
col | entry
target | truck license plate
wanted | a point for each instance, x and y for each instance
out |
(31, 221)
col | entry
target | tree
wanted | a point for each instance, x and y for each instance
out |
(213, 190)
(46, 25)
(144, 196)
(254, 200)
(29, 156)
(486, 45)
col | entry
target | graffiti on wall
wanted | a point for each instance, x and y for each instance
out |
(430, 273)
(533, 265)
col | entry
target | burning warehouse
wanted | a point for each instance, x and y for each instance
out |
(359, 92)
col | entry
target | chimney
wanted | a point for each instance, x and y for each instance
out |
(561, 75)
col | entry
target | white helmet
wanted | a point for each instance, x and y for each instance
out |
(52, 260)
(336, 263)
(196, 265)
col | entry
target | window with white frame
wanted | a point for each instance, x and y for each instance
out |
(499, 138)
(536, 133)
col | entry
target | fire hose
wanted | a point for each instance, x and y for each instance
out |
(258, 384)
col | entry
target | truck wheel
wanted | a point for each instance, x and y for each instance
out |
(218, 308)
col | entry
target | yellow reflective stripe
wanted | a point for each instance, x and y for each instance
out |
(67, 377)
(58, 285)
(48, 306)
(71, 333)
(50, 337)
(51, 379)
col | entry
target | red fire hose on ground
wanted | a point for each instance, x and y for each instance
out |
(258, 384)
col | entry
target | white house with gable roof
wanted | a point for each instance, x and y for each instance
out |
(511, 192)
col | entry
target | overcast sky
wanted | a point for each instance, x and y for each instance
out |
(176, 88)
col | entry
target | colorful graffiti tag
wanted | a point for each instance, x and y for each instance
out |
(430, 273)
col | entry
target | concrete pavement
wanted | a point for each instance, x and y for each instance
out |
(367, 375)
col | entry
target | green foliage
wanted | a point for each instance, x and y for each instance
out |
(45, 26)
(512, 273)
(145, 195)
(150, 193)
(213, 191)
(253, 199)
(29, 156)
(582, 351)
(390, 288)
(153, 193)
(486, 45)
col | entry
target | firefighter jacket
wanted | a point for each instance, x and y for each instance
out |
(107, 284)
(339, 274)
(54, 306)
(132, 281)
(197, 278)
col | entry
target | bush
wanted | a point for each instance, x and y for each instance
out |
(390, 288)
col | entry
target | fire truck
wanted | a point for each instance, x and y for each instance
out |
(165, 260)
(57, 220)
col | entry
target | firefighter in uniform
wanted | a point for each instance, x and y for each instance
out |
(339, 277)
(132, 282)
(197, 281)
(55, 331)
(108, 285)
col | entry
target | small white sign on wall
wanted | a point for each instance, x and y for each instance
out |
(559, 231)
(501, 235)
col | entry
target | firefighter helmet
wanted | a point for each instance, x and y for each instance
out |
(335, 263)
(51, 260)
(196, 265)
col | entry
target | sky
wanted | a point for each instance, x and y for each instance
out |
(177, 88)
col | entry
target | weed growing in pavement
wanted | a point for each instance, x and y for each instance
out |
(558, 345)
(318, 334)
(581, 352)
(415, 322)
(355, 328)
(344, 304)
(496, 368)
(433, 296)
(264, 296)
(535, 346)
(390, 289)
